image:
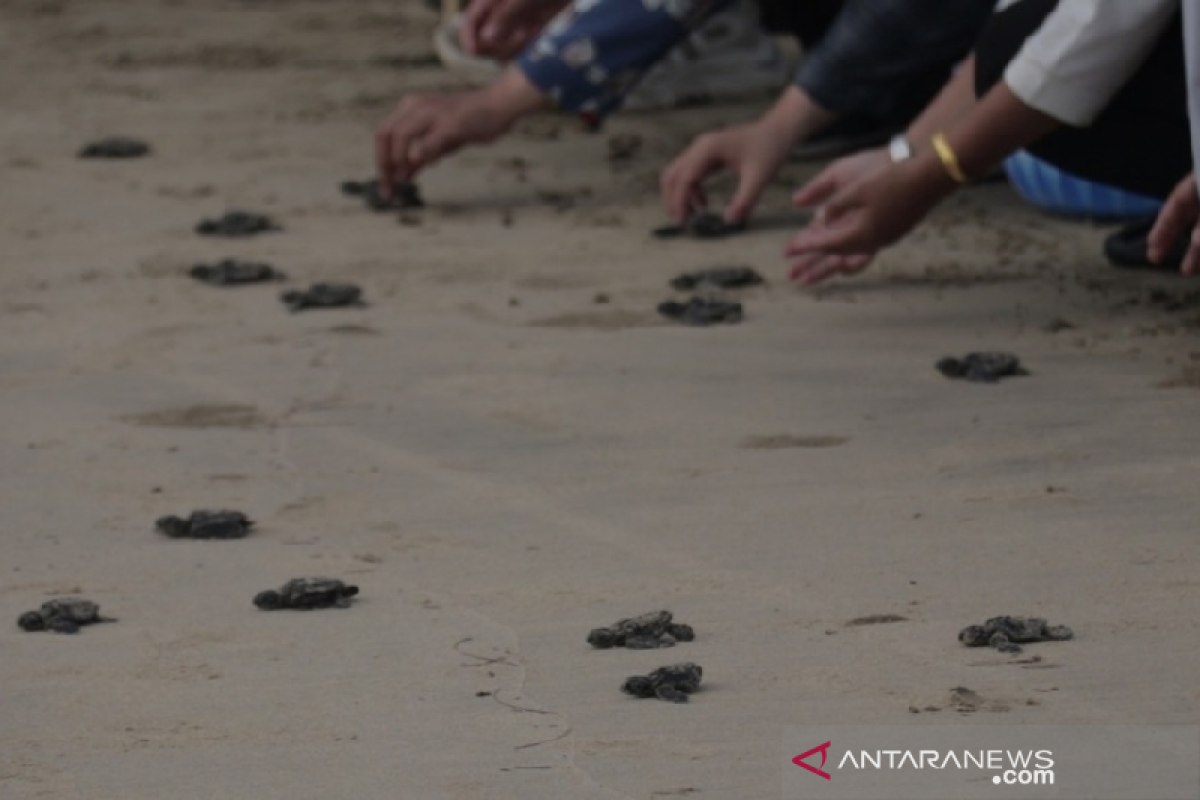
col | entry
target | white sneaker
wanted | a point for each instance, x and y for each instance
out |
(729, 55)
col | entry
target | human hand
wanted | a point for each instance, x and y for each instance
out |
(861, 218)
(839, 176)
(752, 151)
(500, 29)
(427, 127)
(1181, 212)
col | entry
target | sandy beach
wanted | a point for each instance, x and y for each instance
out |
(507, 446)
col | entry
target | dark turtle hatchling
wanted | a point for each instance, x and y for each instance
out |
(705, 225)
(981, 367)
(306, 593)
(206, 525)
(1005, 633)
(62, 615)
(404, 195)
(237, 224)
(673, 683)
(644, 632)
(718, 278)
(701, 313)
(114, 147)
(232, 271)
(323, 295)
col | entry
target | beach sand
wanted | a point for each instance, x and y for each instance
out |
(507, 447)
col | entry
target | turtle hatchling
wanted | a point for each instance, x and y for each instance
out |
(206, 525)
(1006, 634)
(404, 195)
(673, 683)
(717, 278)
(323, 295)
(62, 615)
(701, 313)
(114, 147)
(646, 632)
(306, 593)
(982, 367)
(705, 225)
(232, 271)
(237, 224)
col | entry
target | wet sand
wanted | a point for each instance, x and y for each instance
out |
(502, 463)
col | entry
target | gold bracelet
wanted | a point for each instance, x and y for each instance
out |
(945, 154)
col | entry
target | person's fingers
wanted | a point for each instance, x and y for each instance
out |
(801, 266)
(691, 171)
(386, 166)
(476, 17)
(1178, 214)
(666, 180)
(436, 142)
(384, 169)
(843, 235)
(507, 43)
(816, 191)
(677, 187)
(813, 270)
(1191, 261)
(405, 137)
(750, 188)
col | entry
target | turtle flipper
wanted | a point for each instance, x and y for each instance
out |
(1002, 643)
(670, 694)
(1058, 633)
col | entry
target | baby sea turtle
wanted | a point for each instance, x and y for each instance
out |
(323, 295)
(701, 313)
(206, 525)
(114, 147)
(404, 195)
(62, 615)
(232, 271)
(306, 593)
(673, 683)
(237, 224)
(1004, 633)
(718, 278)
(645, 632)
(982, 367)
(705, 225)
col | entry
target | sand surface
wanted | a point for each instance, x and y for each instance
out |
(502, 462)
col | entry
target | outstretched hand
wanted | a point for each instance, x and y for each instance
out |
(753, 152)
(427, 127)
(1180, 216)
(865, 203)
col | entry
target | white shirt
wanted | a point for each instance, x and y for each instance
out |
(1191, 41)
(1085, 52)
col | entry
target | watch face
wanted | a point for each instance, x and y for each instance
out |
(900, 149)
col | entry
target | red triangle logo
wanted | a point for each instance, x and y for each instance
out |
(822, 749)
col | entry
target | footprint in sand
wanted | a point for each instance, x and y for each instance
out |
(609, 320)
(875, 619)
(212, 415)
(789, 442)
